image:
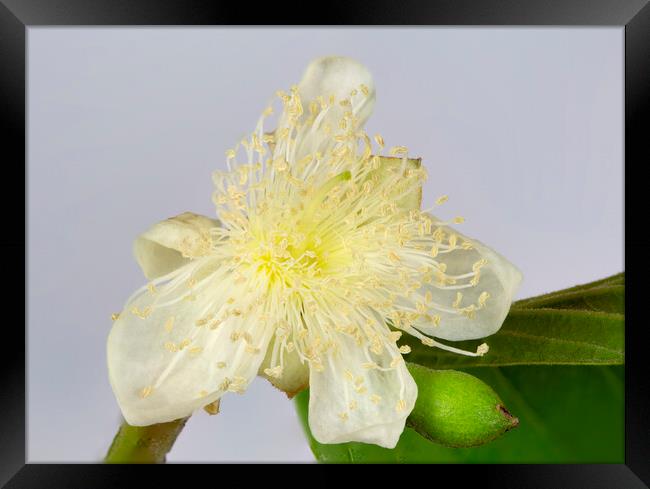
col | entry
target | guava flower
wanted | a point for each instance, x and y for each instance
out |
(319, 261)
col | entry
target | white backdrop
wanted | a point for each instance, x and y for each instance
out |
(523, 128)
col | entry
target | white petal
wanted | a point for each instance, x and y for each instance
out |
(351, 403)
(499, 278)
(295, 374)
(161, 248)
(153, 384)
(338, 76)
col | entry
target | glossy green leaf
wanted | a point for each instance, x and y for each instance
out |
(567, 414)
(537, 337)
(456, 409)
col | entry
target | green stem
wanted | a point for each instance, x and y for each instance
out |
(144, 444)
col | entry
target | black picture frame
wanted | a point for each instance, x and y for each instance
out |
(16, 16)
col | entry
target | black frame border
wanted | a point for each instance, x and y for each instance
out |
(16, 16)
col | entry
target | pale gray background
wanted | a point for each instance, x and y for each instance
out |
(521, 127)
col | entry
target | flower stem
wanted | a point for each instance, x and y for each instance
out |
(144, 444)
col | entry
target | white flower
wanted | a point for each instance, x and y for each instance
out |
(318, 245)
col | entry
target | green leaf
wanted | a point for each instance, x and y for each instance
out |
(456, 409)
(537, 337)
(567, 414)
(604, 296)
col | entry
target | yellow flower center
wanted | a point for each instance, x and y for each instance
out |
(289, 251)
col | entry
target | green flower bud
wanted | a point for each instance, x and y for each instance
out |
(456, 409)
